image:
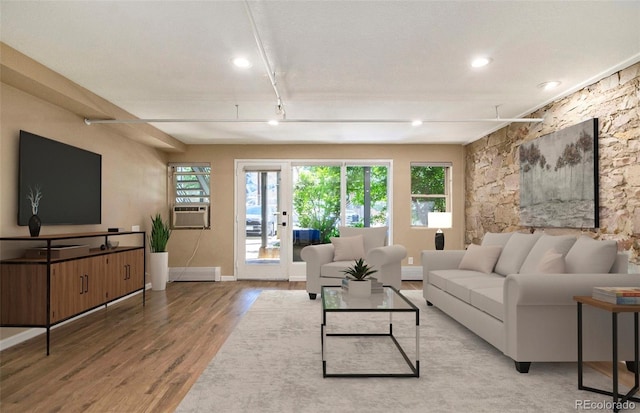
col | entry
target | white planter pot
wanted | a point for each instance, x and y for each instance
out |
(360, 288)
(159, 270)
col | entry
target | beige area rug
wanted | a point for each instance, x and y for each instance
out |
(272, 363)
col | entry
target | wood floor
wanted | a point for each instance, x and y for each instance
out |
(130, 358)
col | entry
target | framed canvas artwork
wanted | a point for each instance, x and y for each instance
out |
(559, 178)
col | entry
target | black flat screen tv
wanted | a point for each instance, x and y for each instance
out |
(69, 178)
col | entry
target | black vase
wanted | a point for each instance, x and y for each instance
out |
(34, 225)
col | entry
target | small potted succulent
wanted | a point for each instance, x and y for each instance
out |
(358, 278)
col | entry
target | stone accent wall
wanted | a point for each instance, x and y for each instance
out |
(492, 163)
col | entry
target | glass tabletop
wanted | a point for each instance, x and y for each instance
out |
(390, 299)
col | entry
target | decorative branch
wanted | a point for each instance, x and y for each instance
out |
(34, 199)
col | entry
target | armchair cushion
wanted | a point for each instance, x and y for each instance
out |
(348, 248)
(374, 237)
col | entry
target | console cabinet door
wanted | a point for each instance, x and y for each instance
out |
(125, 273)
(135, 262)
(116, 276)
(69, 288)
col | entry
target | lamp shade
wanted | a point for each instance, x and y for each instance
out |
(439, 220)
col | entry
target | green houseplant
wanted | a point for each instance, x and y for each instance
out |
(359, 284)
(159, 258)
(160, 233)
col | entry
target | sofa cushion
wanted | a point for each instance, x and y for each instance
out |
(552, 262)
(335, 269)
(561, 244)
(374, 237)
(590, 256)
(515, 252)
(480, 258)
(489, 300)
(439, 278)
(348, 248)
(496, 238)
(462, 287)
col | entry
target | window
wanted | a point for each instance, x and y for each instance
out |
(191, 183)
(430, 191)
(190, 193)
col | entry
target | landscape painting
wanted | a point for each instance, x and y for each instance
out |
(559, 178)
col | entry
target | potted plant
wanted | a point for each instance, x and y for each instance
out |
(357, 278)
(159, 258)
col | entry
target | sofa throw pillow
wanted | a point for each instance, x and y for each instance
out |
(496, 238)
(348, 248)
(551, 262)
(591, 256)
(560, 243)
(480, 258)
(515, 252)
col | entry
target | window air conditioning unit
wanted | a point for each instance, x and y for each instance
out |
(192, 216)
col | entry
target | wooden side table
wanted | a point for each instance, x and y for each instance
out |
(614, 309)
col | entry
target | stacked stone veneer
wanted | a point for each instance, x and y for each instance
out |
(493, 174)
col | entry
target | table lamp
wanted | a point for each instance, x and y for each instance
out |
(439, 220)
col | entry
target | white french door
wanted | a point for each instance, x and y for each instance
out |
(262, 220)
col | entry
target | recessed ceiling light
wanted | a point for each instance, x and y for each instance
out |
(416, 122)
(242, 62)
(480, 62)
(273, 122)
(549, 85)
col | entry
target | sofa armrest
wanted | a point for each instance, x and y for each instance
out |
(540, 316)
(559, 289)
(381, 256)
(440, 260)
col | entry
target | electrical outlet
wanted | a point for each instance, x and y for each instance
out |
(410, 260)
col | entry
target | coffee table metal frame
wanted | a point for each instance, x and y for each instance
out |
(413, 366)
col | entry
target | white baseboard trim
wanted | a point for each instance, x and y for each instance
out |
(194, 274)
(36, 331)
(411, 273)
(300, 277)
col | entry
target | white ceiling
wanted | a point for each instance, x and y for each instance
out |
(332, 60)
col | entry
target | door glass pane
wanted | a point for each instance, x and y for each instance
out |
(316, 205)
(261, 213)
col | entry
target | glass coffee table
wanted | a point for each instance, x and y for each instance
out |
(337, 301)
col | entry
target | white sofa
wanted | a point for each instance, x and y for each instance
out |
(326, 262)
(516, 291)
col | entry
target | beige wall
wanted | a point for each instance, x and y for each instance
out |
(216, 245)
(493, 165)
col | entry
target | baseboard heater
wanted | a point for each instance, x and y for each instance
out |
(411, 273)
(194, 274)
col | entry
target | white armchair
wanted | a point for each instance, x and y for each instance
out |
(326, 262)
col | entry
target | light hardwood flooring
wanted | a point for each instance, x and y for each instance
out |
(130, 358)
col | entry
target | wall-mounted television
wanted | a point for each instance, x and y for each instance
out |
(69, 178)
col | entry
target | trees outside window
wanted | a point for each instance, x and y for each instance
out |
(430, 191)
